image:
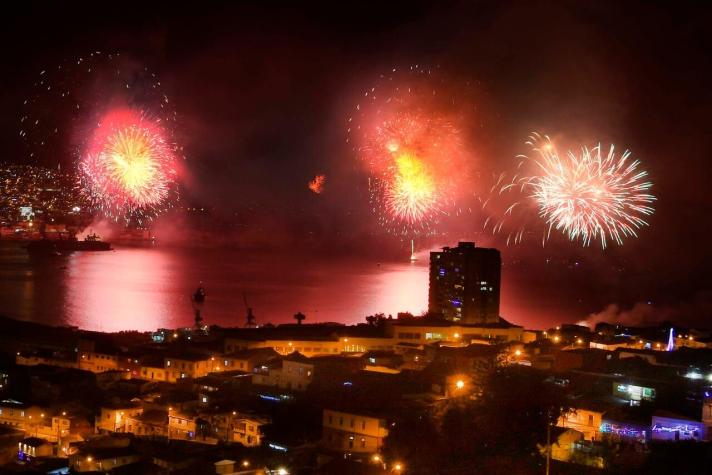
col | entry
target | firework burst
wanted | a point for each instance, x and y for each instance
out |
(106, 119)
(589, 196)
(129, 168)
(406, 134)
(316, 185)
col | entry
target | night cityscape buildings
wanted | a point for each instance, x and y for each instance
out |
(464, 283)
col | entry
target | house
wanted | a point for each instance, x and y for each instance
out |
(633, 392)
(585, 417)
(32, 447)
(293, 372)
(352, 432)
(562, 443)
(98, 362)
(181, 424)
(247, 360)
(247, 430)
(102, 459)
(382, 358)
(234, 426)
(151, 423)
(188, 365)
(113, 418)
(22, 416)
(674, 427)
(629, 423)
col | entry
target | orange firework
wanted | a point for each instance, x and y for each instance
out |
(406, 131)
(413, 159)
(317, 184)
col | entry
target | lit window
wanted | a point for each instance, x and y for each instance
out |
(168, 362)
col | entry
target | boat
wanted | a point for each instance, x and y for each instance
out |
(92, 242)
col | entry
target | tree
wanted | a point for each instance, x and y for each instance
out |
(376, 319)
(415, 440)
(509, 419)
(299, 316)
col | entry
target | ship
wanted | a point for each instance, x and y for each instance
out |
(92, 242)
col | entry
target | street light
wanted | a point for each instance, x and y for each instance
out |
(398, 467)
(518, 353)
(459, 384)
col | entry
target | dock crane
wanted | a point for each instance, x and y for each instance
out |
(251, 323)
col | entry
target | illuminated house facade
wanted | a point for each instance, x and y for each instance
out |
(584, 419)
(114, 418)
(187, 366)
(294, 372)
(465, 283)
(633, 392)
(353, 433)
(673, 427)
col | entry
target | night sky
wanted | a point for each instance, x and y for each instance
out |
(262, 93)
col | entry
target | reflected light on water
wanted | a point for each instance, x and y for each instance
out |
(145, 289)
(113, 291)
(149, 288)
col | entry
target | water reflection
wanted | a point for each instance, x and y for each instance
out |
(144, 289)
(125, 289)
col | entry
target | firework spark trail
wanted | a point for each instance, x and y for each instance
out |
(593, 195)
(129, 167)
(317, 184)
(406, 132)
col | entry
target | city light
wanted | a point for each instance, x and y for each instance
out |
(398, 467)
(459, 384)
(245, 463)
(518, 353)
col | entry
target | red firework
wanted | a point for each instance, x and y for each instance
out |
(129, 167)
